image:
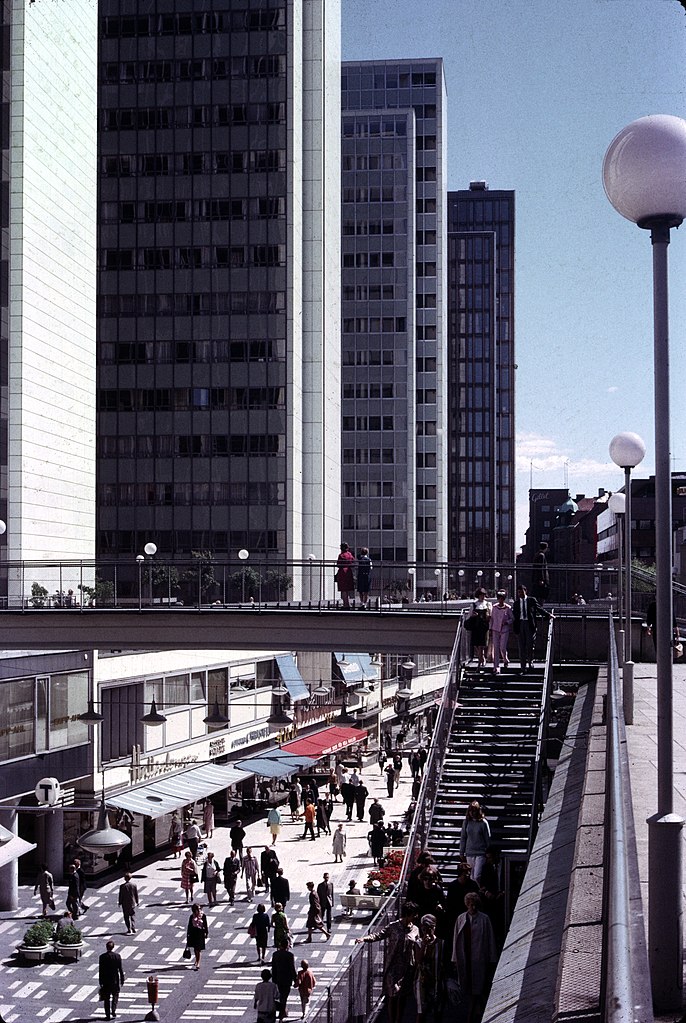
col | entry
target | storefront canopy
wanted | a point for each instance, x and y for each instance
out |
(356, 668)
(167, 794)
(329, 740)
(291, 677)
(13, 849)
(275, 763)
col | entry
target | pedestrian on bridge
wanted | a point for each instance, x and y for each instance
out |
(501, 623)
(525, 615)
(474, 955)
(475, 839)
(345, 579)
(401, 942)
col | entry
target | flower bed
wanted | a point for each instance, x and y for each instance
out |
(384, 880)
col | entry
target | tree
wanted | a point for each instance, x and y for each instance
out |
(39, 595)
(278, 582)
(201, 576)
(100, 595)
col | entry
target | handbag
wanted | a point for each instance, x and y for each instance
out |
(469, 623)
(195, 878)
(252, 931)
(187, 954)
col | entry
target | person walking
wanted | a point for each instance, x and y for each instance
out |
(176, 835)
(83, 885)
(415, 764)
(232, 869)
(475, 839)
(376, 812)
(429, 984)
(397, 767)
(344, 575)
(306, 983)
(540, 573)
(189, 875)
(208, 817)
(314, 915)
(196, 933)
(381, 760)
(237, 837)
(294, 803)
(389, 771)
(259, 930)
(348, 796)
(361, 794)
(210, 878)
(251, 871)
(128, 902)
(280, 926)
(310, 818)
(325, 894)
(269, 864)
(322, 818)
(377, 842)
(281, 889)
(500, 625)
(339, 843)
(284, 975)
(474, 954)
(274, 823)
(364, 576)
(477, 622)
(526, 611)
(266, 999)
(73, 893)
(401, 939)
(110, 979)
(192, 836)
(332, 782)
(45, 885)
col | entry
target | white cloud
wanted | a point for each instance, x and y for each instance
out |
(612, 390)
(547, 456)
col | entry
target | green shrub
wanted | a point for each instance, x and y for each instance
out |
(38, 934)
(70, 935)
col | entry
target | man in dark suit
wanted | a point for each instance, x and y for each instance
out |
(283, 974)
(110, 978)
(281, 889)
(325, 893)
(526, 611)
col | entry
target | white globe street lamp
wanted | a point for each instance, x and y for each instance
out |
(627, 450)
(644, 174)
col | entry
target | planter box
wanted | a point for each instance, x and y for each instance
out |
(33, 954)
(369, 903)
(72, 952)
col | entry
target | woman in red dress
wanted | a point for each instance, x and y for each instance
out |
(344, 575)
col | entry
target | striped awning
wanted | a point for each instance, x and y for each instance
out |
(171, 793)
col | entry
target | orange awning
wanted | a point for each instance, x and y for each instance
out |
(329, 740)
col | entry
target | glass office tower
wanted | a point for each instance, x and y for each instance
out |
(481, 375)
(218, 315)
(393, 311)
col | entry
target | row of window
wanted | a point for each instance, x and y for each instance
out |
(386, 78)
(362, 520)
(126, 353)
(148, 118)
(368, 423)
(156, 71)
(373, 259)
(374, 161)
(183, 398)
(194, 257)
(374, 193)
(374, 324)
(194, 304)
(215, 540)
(364, 227)
(387, 127)
(369, 489)
(216, 162)
(359, 390)
(372, 357)
(370, 292)
(41, 714)
(270, 207)
(241, 20)
(373, 456)
(165, 494)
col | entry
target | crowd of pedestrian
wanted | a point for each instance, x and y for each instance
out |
(490, 625)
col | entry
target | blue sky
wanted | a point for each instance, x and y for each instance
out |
(536, 93)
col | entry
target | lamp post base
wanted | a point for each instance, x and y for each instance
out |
(628, 692)
(665, 911)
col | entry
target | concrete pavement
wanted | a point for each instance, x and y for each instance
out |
(53, 992)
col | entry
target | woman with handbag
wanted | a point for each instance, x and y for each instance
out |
(282, 931)
(46, 886)
(478, 623)
(189, 876)
(196, 933)
(259, 930)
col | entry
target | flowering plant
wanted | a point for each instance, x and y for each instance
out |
(383, 880)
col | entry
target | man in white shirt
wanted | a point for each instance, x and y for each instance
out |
(525, 614)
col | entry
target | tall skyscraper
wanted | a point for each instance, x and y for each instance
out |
(481, 375)
(48, 283)
(393, 310)
(219, 243)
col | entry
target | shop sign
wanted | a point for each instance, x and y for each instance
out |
(47, 791)
(254, 736)
(218, 747)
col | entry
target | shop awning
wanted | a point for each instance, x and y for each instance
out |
(13, 849)
(167, 794)
(291, 677)
(329, 740)
(356, 668)
(275, 763)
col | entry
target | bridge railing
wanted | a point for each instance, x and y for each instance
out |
(538, 795)
(357, 990)
(625, 985)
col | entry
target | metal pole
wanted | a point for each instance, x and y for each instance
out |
(627, 565)
(665, 920)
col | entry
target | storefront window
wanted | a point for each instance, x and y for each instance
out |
(197, 686)
(217, 680)
(68, 699)
(153, 690)
(176, 691)
(16, 718)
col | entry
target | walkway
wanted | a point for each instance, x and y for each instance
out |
(223, 989)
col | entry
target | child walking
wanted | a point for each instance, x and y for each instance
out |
(305, 983)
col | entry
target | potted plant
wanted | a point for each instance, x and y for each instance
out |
(69, 942)
(36, 941)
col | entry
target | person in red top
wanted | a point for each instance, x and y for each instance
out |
(305, 984)
(344, 575)
(310, 818)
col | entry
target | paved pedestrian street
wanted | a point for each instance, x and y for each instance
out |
(54, 991)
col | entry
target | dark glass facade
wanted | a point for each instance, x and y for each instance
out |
(193, 297)
(5, 51)
(481, 375)
(392, 308)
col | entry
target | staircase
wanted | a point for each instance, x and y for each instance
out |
(490, 757)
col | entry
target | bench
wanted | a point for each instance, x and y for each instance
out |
(369, 903)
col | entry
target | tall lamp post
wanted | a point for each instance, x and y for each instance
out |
(617, 505)
(627, 450)
(644, 173)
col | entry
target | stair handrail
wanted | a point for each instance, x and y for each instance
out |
(543, 717)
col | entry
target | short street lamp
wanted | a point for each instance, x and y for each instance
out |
(627, 450)
(644, 173)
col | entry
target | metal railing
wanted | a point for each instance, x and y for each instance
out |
(537, 794)
(625, 990)
(357, 990)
